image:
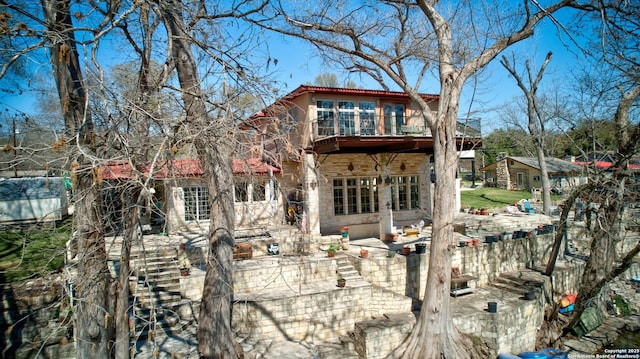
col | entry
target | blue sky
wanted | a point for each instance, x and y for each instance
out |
(299, 64)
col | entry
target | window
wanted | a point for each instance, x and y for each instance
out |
(325, 118)
(352, 196)
(355, 195)
(250, 191)
(196, 203)
(258, 192)
(241, 192)
(338, 197)
(405, 193)
(365, 194)
(346, 118)
(393, 118)
(414, 191)
(367, 116)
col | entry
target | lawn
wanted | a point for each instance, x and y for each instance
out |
(488, 197)
(33, 253)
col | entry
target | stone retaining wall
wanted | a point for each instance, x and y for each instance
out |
(377, 338)
(297, 299)
(36, 321)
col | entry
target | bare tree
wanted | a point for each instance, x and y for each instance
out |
(536, 121)
(616, 26)
(419, 37)
(214, 143)
(94, 311)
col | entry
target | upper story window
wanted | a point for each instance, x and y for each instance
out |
(393, 118)
(346, 118)
(367, 115)
(325, 118)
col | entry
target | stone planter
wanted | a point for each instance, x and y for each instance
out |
(391, 237)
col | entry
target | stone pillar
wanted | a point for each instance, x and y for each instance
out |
(384, 198)
(175, 209)
(311, 214)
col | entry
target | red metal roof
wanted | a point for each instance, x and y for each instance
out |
(352, 92)
(185, 168)
(302, 89)
(605, 164)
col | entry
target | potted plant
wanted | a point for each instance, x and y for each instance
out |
(344, 238)
(421, 247)
(183, 260)
(341, 281)
(333, 248)
(406, 250)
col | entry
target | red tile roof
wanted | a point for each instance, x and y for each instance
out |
(185, 168)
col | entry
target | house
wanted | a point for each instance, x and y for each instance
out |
(32, 199)
(523, 173)
(179, 197)
(352, 158)
(364, 159)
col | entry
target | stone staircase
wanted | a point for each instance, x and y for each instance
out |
(346, 270)
(157, 307)
(520, 282)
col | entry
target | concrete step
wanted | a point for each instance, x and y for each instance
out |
(148, 298)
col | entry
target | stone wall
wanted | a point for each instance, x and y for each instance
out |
(377, 338)
(274, 273)
(487, 261)
(498, 330)
(36, 321)
(367, 224)
(297, 299)
(384, 272)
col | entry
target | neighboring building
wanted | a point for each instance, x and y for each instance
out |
(523, 173)
(32, 199)
(365, 160)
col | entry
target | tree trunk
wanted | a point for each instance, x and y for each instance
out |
(215, 338)
(130, 215)
(435, 336)
(544, 177)
(214, 146)
(93, 310)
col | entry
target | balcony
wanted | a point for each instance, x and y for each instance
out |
(351, 137)
(322, 129)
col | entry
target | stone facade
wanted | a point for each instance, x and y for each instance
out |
(36, 321)
(367, 225)
(297, 299)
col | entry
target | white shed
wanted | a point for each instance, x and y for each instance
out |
(32, 199)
